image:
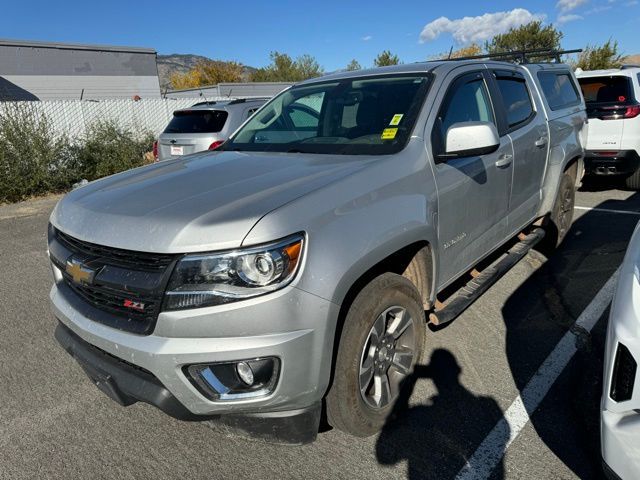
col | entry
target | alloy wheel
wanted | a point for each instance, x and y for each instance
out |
(387, 357)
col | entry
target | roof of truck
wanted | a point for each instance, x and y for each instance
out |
(426, 67)
(419, 67)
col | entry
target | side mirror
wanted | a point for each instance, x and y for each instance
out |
(467, 139)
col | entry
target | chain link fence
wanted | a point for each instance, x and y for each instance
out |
(74, 117)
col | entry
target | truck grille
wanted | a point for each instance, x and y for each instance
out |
(116, 256)
(112, 301)
(128, 285)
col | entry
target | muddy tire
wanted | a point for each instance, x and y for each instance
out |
(559, 221)
(632, 182)
(382, 340)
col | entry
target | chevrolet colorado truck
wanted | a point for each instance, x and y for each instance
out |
(295, 269)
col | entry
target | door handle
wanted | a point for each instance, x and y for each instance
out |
(541, 142)
(504, 160)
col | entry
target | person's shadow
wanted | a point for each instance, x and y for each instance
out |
(437, 437)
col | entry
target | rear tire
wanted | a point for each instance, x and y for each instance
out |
(383, 338)
(632, 182)
(559, 221)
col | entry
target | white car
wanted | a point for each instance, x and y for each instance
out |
(613, 108)
(620, 406)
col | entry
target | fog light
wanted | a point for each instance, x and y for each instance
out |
(235, 380)
(245, 373)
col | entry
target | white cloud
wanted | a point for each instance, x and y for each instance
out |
(477, 29)
(569, 5)
(598, 9)
(366, 38)
(568, 18)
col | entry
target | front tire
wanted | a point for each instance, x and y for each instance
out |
(382, 340)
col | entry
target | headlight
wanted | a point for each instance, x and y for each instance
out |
(212, 279)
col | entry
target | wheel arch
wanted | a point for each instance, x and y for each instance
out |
(410, 261)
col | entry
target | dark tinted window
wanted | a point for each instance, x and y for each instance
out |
(614, 89)
(469, 102)
(559, 90)
(515, 97)
(197, 121)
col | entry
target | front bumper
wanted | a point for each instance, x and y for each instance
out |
(127, 384)
(292, 325)
(623, 162)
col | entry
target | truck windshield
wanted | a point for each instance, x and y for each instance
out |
(356, 116)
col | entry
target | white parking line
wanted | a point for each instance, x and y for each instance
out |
(607, 210)
(495, 444)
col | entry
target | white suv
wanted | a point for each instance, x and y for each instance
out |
(613, 142)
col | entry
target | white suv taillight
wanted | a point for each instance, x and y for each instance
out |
(632, 112)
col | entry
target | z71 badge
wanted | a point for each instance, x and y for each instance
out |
(133, 305)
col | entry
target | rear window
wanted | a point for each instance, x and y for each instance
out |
(611, 89)
(559, 90)
(197, 121)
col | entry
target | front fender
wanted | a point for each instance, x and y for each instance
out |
(355, 223)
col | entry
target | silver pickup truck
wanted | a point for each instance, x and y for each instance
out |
(296, 270)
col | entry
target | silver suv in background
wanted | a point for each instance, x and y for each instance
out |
(296, 267)
(204, 126)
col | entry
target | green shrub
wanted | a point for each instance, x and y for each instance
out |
(110, 148)
(34, 159)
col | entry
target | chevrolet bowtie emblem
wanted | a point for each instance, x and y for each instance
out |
(79, 273)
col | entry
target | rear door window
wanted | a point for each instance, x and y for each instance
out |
(515, 97)
(559, 90)
(611, 89)
(197, 121)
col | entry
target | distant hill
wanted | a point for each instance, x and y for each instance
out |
(632, 59)
(182, 63)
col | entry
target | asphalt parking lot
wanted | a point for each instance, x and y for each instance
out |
(55, 424)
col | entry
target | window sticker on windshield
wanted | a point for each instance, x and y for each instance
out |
(389, 133)
(396, 119)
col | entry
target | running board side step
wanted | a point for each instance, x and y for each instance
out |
(487, 277)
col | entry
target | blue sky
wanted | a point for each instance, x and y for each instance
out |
(334, 31)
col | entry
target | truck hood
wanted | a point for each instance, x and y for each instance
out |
(203, 202)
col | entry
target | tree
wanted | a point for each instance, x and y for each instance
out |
(386, 58)
(208, 72)
(600, 58)
(530, 36)
(284, 69)
(353, 65)
(468, 51)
